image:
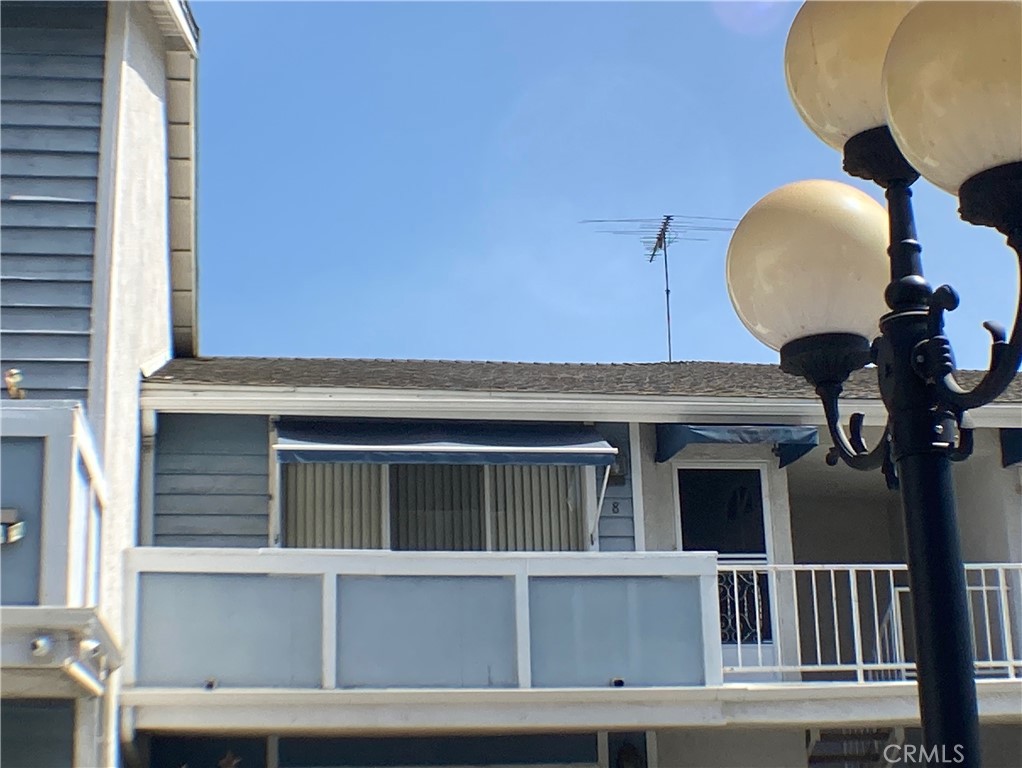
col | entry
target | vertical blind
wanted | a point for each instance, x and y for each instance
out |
(538, 509)
(437, 507)
(333, 506)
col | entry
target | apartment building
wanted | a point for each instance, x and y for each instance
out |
(310, 562)
(97, 281)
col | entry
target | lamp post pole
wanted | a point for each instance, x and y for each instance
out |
(921, 444)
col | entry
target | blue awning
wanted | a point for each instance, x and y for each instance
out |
(791, 443)
(441, 443)
(1011, 446)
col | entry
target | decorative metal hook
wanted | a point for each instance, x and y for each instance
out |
(934, 355)
(852, 450)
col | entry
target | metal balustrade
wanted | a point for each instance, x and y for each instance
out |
(814, 623)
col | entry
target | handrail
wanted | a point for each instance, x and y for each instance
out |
(850, 621)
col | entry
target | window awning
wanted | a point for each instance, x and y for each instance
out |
(791, 443)
(446, 443)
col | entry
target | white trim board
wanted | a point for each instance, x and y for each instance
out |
(407, 403)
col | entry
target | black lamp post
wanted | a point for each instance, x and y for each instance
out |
(898, 87)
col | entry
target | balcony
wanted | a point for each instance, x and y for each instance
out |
(54, 494)
(53, 642)
(375, 642)
(314, 619)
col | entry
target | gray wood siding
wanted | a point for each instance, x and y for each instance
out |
(212, 481)
(617, 523)
(51, 67)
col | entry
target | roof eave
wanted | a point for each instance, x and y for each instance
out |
(185, 397)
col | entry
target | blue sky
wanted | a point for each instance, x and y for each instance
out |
(406, 180)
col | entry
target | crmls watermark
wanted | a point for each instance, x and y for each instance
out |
(935, 755)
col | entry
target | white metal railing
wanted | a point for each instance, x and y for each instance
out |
(853, 622)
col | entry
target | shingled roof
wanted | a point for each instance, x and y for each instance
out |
(682, 379)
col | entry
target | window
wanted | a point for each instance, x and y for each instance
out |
(722, 510)
(538, 509)
(333, 506)
(435, 507)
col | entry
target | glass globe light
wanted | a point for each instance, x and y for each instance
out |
(810, 258)
(952, 84)
(833, 61)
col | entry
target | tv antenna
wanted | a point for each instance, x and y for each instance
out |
(657, 234)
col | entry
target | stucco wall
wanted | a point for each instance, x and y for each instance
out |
(132, 305)
(989, 503)
(731, 748)
(832, 528)
(137, 302)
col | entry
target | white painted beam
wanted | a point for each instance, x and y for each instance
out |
(343, 712)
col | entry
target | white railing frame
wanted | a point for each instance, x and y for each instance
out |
(331, 564)
(995, 634)
(69, 549)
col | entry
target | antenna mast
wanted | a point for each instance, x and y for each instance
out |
(661, 244)
(657, 234)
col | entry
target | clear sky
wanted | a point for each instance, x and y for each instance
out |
(407, 180)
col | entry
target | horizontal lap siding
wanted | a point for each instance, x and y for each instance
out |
(51, 63)
(617, 523)
(212, 481)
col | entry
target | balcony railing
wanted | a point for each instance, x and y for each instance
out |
(54, 496)
(852, 622)
(345, 619)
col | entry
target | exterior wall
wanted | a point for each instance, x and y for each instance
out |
(617, 519)
(212, 481)
(830, 528)
(657, 495)
(731, 748)
(22, 488)
(52, 82)
(841, 515)
(1001, 746)
(989, 503)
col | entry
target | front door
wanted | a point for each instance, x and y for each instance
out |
(723, 510)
